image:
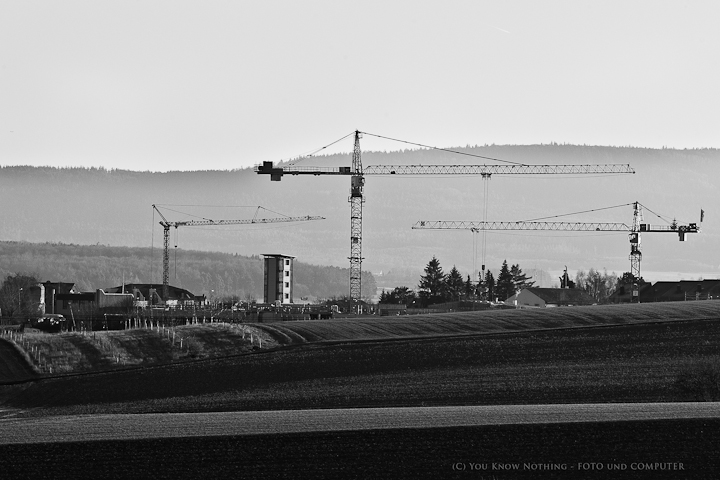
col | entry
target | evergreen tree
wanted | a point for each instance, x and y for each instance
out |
(432, 284)
(488, 287)
(505, 287)
(520, 280)
(454, 285)
(400, 295)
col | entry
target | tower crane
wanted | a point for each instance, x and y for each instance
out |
(166, 224)
(638, 226)
(357, 175)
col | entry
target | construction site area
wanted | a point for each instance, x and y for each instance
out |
(59, 306)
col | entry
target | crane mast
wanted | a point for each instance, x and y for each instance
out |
(357, 181)
(357, 175)
(634, 236)
(208, 222)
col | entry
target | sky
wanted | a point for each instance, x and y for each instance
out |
(197, 85)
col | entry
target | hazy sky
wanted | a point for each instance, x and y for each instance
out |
(186, 85)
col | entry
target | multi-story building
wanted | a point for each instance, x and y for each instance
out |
(278, 284)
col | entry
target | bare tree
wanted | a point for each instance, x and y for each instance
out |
(598, 285)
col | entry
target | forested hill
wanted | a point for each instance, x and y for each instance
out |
(101, 266)
(96, 206)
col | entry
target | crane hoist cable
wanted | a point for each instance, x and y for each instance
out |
(475, 231)
(486, 184)
(176, 244)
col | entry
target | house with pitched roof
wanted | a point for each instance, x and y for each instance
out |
(535, 297)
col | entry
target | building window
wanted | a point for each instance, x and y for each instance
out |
(287, 274)
(287, 284)
(287, 295)
(287, 262)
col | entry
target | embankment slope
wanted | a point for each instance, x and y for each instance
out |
(13, 366)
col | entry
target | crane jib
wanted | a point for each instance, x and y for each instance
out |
(276, 173)
(680, 230)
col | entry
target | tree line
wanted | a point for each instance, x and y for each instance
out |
(436, 286)
(601, 285)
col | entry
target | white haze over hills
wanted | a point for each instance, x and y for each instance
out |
(188, 84)
(81, 206)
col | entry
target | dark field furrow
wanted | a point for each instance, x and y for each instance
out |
(665, 449)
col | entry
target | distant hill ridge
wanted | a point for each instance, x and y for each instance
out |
(91, 206)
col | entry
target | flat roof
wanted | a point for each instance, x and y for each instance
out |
(277, 255)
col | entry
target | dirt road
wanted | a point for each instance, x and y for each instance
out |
(168, 425)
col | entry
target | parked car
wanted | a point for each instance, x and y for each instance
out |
(50, 322)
